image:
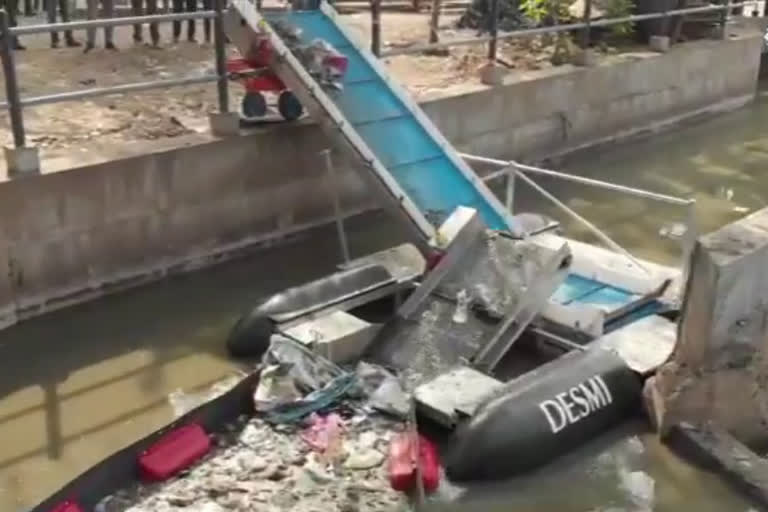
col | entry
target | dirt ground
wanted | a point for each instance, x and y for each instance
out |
(168, 113)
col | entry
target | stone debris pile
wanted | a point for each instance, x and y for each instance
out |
(257, 466)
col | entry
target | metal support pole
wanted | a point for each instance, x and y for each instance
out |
(376, 27)
(11, 85)
(585, 36)
(724, 19)
(510, 198)
(334, 191)
(494, 31)
(689, 240)
(221, 56)
(602, 236)
(434, 21)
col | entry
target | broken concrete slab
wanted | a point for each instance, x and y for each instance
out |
(454, 394)
(722, 337)
(644, 344)
(337, 336)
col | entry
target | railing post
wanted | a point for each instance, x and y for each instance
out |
(221, 56)
(333, 188)
(19, 159)
(11, 85)
(494, 31)
(724, 19)
(434, 21)
(376, 27)
(585, 33)
(510, 196)
(689, 240)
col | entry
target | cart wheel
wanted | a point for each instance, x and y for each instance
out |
(289, 107)
(254, 104)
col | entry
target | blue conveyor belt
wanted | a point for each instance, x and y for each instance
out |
(394, 132)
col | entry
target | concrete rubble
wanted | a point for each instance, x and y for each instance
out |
(255, 466)
(718, 370)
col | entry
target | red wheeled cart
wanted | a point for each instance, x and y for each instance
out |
(254, 73)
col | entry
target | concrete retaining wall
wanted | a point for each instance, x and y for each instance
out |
(569, 108)
(71, 235)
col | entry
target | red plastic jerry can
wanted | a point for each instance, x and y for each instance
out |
(401, 467)
(175, 451)
(67, 506)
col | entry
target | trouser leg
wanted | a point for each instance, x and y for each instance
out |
(207, 5)
(178, 6)
(50, 11)
(154, 31)
(137, 10)
(108, 8)
(191, 7)
(92, 13)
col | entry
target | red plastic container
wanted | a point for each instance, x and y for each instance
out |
(67, 506)
(175, 451)
(401, 467)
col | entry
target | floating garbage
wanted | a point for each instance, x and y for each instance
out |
(298, 382)
(384, 391)
(325, 435)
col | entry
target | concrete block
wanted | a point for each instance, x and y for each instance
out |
(224, 124)
(493, 74)
(723, 336)
(454, 395)
(585, 58)
(338, 336)
(22, 161)
(659, 43)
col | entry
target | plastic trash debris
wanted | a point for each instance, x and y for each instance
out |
(310, 372)
(276, 386)
(462, 307)
(401, 466)
(362, 453)
(384, 391)
(324, 434)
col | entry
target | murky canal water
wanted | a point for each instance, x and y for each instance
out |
(81, 383)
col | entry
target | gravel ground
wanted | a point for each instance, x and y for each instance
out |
(73, 126)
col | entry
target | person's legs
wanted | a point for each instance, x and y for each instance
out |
(90, 34)
(178, 6)
(207, 5)
(68, 37)
(191, 7)
(154, 31)
(50, 11)
(10, 9)
(108, 8)
(137, 10)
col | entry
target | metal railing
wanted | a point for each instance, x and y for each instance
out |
(15, 103)
(513, 170)
(585, 26)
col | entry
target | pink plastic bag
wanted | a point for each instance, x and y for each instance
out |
(324, 435)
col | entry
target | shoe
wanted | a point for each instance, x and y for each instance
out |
(73, 43)
(19, 47)
(54, 44)
(138, 39)
(88, 47)
(110, 46)
(191, 40)
(175, 39)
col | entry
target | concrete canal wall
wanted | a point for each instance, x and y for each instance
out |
(140, 212)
